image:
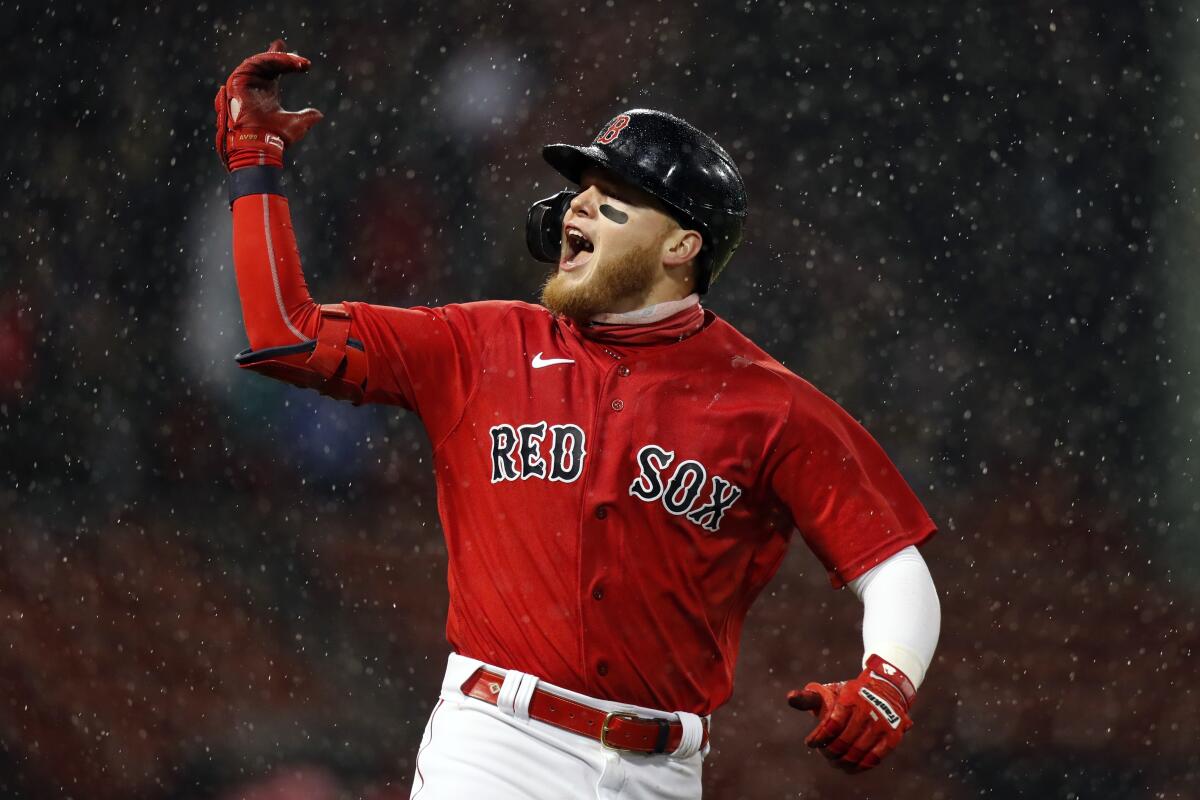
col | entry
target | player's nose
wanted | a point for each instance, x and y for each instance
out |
(584, 204)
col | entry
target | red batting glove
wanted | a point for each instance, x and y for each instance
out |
(859, 721)
(252, 127)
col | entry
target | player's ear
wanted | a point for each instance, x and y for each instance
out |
(681, 246)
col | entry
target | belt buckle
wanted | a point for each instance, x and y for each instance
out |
(608, 718)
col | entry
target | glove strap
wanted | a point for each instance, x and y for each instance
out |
(889, 672)
(255, 180)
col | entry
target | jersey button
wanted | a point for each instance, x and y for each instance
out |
(602, 668)
(623, 371)
(598, 593)
(617, 405)
(601, 511)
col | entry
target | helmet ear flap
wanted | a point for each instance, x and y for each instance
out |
(543, 226)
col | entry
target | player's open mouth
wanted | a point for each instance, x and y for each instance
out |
(577, 249)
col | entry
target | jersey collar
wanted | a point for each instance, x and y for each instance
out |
(682, 319)
(654, 313)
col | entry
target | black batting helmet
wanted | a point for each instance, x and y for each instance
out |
(666, 157)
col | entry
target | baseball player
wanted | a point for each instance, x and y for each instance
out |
(619, 471)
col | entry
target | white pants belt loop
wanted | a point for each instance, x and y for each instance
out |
(515, 693)
(693, 735)
(523, 695)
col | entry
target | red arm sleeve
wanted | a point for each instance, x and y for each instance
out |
(845, 495)
(424, 359)
(276, 306)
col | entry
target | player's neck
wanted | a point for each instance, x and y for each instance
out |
(650, 313)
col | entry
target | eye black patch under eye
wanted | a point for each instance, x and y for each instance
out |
(615, 214)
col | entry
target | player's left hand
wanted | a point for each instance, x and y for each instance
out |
(858, 721)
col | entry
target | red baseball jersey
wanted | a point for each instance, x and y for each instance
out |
(613, 497)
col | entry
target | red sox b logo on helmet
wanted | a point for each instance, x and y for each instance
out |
(613, 130)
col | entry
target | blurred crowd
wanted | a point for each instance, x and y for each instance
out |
(215, 587)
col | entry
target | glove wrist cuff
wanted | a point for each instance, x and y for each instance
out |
(891, 674)
(254, 147)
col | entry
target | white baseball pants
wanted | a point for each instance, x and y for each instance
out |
(473, 750)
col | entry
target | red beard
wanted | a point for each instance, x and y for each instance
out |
(609, 283)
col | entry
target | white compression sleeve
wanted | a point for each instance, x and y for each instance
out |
(901, 614)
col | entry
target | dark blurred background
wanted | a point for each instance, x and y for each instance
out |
(973, 225)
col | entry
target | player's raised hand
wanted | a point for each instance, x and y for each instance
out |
(252, 126)
(858, 721)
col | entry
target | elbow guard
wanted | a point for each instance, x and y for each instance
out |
(333, 363)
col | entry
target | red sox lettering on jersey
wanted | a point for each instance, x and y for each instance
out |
(680, 494)
(613, 497)
(517, 454)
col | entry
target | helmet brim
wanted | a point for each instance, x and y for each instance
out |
(571, 160)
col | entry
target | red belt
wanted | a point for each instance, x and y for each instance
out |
(616, 730)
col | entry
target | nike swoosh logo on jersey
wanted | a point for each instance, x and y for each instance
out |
(539, 362)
